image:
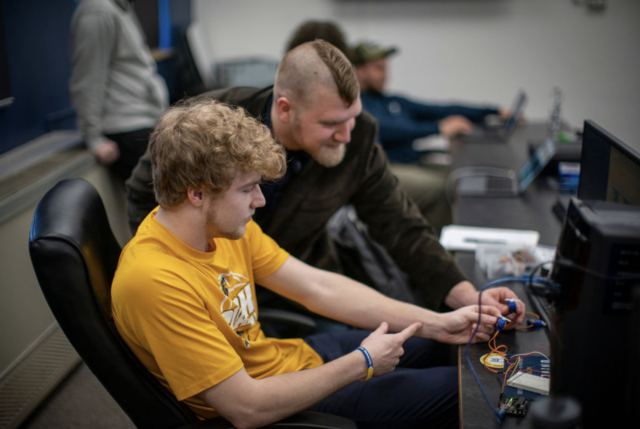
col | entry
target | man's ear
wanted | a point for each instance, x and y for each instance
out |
(196, 196)
(284, 109)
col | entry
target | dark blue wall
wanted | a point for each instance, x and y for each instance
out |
(37, 34)
(37, 38)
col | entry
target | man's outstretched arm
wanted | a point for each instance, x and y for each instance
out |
(250, 403)
(340, 298)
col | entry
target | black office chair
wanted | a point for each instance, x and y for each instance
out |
(74, 255)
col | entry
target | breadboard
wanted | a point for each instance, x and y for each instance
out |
(529, 382)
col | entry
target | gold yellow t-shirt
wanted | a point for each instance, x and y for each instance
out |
(191, 317)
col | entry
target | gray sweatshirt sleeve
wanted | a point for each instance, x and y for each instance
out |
(93, 37)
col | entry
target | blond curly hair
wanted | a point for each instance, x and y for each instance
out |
(205, 143)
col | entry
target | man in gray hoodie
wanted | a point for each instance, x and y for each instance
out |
(115, 87)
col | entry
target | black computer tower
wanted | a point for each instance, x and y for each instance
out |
(594, 321)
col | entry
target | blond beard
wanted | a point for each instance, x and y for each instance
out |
(213, 228)
(330, 157)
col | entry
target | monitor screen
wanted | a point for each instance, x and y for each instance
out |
(609, 169)
(536, 163)
(5, 88)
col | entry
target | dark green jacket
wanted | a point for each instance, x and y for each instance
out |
(362, 179)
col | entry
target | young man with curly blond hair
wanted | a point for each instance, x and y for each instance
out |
(183, 297)
(314, 111)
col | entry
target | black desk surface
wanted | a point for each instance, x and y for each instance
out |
(531, 210)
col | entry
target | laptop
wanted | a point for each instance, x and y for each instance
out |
(500, 182)
(498, 134)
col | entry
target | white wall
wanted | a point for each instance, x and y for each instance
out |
(475, 50)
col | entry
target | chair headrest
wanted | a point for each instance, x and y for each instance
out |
(73, 211)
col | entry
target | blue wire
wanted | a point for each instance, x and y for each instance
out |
(466, 350)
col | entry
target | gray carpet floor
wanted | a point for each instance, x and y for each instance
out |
(79, 401)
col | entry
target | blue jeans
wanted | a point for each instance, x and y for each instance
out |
(421, 392)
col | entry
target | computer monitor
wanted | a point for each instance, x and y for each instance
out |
(609, 169)
(593, 333)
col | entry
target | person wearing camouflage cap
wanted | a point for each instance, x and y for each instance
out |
(402, 121)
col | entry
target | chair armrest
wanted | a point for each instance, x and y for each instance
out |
(302, 420)
(298, 325)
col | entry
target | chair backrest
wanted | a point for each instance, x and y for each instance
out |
(75, 255)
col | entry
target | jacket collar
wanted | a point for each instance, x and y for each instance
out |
(257, 105)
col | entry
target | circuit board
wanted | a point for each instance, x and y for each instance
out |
(515, 401)
(515, 406)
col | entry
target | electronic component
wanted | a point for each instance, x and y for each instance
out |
(533, 323)
(515, 406)
(501, 323)
(493, 361)
(532, 383)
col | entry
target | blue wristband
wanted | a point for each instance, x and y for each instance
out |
(367, 357)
